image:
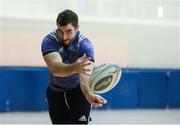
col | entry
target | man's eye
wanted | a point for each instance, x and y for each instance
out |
(70, 31)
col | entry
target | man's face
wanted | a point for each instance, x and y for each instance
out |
(67, 33)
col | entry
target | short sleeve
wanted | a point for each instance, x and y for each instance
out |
(49, 45)
(86, 47)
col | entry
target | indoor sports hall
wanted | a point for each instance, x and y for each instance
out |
(141, 36)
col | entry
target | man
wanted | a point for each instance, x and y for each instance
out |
(69, 56)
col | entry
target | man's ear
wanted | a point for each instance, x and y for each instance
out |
(77, 27)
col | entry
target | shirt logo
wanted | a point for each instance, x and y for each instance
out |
(61, 50)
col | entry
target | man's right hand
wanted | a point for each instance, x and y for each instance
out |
(95, 100)
(81, 65)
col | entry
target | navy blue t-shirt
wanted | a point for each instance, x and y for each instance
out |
(69, 54)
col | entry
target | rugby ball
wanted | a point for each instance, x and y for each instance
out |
(104, 77)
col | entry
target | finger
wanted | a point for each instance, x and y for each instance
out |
(88, 74)
(95, 103)
(86, 69)
(86, 60)
(102, 100)
(87, 63)
(84, 56)
(97, 106)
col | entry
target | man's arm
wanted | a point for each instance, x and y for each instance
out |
(54, 63)
(92, 98)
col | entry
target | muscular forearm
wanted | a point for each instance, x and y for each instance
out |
(62, 69)
(84, 79)
(84, 84)
(58, 68)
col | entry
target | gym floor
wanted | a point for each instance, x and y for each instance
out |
(136, 116)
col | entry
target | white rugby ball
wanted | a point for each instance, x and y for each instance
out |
(104, 77)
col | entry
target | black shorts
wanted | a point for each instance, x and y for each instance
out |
(70, 107)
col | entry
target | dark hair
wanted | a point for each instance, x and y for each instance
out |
(67, 17)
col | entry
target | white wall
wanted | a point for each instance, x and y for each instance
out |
(133, 33)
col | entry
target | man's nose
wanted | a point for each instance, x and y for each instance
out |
(64, 36)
